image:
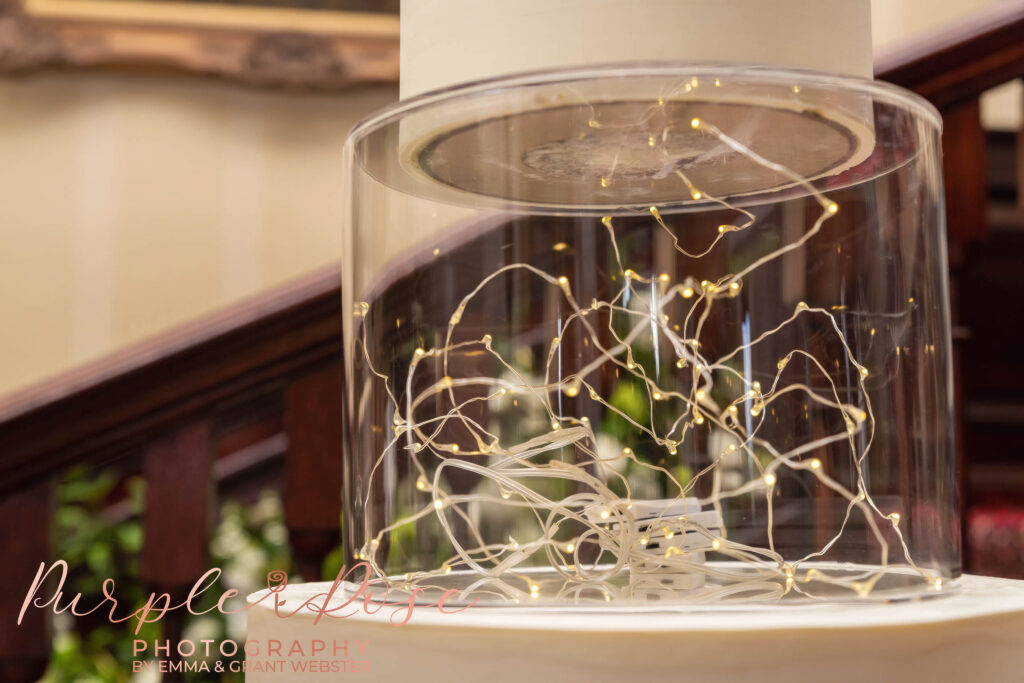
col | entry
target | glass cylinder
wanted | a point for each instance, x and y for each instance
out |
(650, 334)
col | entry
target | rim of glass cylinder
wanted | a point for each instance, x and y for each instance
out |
(764, 74)
(889, 91)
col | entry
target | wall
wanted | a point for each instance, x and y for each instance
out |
(130, 203)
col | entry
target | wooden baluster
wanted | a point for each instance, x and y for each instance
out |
(179, 495)
(25, 519)
(313, 468)
(964, 162)
(588, 245)
(1020, 165)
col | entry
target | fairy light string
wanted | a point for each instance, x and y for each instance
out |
(504, 569)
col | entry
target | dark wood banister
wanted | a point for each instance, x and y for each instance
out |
(178, 397)
(955, 65)
(116, 404)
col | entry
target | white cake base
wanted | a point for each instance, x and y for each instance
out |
(976, 634)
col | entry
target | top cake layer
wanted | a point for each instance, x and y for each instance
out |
(458, 41)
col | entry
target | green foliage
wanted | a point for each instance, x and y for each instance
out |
(250, 541)
(683, 475)
(333, 563)
(99, 534)
(631, 398)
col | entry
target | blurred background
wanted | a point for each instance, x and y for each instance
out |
(134, 201)
(170, 210)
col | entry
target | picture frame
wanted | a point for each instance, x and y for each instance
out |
(257, 44)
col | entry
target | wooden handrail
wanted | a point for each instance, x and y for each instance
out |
(958, 63)
(118, 403)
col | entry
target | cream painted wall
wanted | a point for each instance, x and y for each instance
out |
(130, 203)
(895, 20)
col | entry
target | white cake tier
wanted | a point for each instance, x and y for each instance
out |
(457, 41)
(975, 634)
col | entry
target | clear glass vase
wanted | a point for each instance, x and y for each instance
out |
(655, 333)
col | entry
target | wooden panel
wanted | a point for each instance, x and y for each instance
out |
(964, 170)
(25, 520)
(313, 468)
(964, 164)
(176, 518)
(1020, 167)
